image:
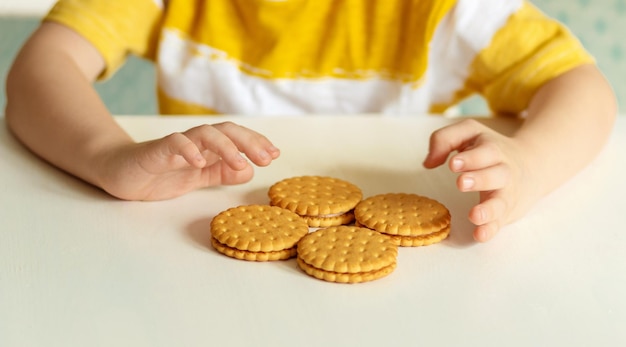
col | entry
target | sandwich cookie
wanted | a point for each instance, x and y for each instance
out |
(321, 201)
(347, 254)
(409, 219)
(257, 232)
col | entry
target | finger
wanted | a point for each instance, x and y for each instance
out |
(221, 174)
(486, 232)
(487, 217)
(179, 144)
(449, 139)
(230, 177)
(477, 157)
(490, 210)
(491, 178)
(255, 146)
(212, 139)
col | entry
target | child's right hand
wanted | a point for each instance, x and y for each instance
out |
(207, 155)
(53, 110)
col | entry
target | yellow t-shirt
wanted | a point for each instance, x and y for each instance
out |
(330, 56)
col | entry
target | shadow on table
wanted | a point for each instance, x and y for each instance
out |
(199, 231)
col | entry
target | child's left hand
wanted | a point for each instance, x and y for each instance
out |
(495, 165)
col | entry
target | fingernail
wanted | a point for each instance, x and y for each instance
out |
(457, 164)
(264, 155)
(481, 216)
(467, 183)
(273, 152)
(241, 159)
(273, 149)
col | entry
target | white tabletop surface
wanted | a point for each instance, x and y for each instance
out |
(79, 268)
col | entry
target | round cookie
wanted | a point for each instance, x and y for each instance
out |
(322, 201)
(347, 254)
(257, 232)
(410, 219)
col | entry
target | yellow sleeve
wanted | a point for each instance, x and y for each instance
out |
(115, 28)
(528, 51)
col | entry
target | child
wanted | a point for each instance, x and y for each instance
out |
(312, 56)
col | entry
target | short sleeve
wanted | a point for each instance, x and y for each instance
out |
(116, 28)
(528, 51)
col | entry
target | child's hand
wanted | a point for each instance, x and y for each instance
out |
(207, 155)
(488, 162)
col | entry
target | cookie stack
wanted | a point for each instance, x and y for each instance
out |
(336, 252)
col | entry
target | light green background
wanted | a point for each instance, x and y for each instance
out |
(599, 24)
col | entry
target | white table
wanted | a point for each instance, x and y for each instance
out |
(79, 268)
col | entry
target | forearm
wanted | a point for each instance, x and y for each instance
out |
(54, 110)
(567, 124)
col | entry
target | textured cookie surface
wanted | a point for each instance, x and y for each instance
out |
(315, 195)
(402, 214)
(347, 250)
(258, 228)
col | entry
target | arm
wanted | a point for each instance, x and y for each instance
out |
(54, 110)
(567, 122)
(52, 107)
